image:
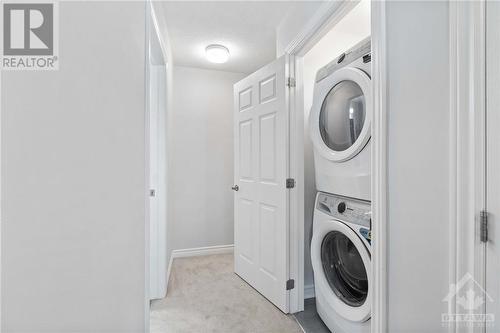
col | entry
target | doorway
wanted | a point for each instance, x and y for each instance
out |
(346, 27)
(347, 32)
(157, 109)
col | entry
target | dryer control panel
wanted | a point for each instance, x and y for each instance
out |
(361, 51)
(345, 209)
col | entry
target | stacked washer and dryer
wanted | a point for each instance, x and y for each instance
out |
(340, 128)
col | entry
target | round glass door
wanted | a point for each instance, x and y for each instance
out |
(342, 115)
(344, 268)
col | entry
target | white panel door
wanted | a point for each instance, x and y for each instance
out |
(493, 165)
(260, 172)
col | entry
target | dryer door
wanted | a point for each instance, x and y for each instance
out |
(341, 264)
(341, 114)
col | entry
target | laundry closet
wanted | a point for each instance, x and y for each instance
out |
(347, 42)
(349, 31)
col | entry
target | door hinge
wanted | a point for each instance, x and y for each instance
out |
(290, 284)
(290, 82)
(290, 183)
(483, 218)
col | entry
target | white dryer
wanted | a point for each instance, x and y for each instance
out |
(340, 124)
(341, 260)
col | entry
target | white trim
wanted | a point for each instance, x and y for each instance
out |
(478, 26)
(163, 47)
(203, 251)
(453, 150)
(157, 248)
(1, 207)
(147, 253)
(492, 137)
(329, 14)
(379, 169)
(296, 195)
(169, 268)
(309, 291)
(467, 142)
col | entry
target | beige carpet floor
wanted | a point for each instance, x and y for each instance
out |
(204, 295)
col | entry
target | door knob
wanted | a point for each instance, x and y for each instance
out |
(235, 188)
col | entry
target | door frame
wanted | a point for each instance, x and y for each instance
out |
(152, 23)
(467, 143)
(161, 187)
(326, 17)
(379, 183)
(147, 254)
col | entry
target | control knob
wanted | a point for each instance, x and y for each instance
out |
(341, 207)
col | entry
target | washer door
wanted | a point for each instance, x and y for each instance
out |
(341, 114)
(342, 269)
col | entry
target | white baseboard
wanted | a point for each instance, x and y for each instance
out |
(203, 251)
(309, 291)
(169, 268)
(197, 251)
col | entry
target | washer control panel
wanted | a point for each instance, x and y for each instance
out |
(345, 209)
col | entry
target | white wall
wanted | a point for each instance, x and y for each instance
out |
(353, 28)
(73, 179)
(418, 157)
(201, 155)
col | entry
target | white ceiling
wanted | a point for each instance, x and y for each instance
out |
(247, 29)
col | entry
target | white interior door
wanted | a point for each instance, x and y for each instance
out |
(493, 164)
(260, 171)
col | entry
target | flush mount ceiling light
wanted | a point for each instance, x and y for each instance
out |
(216, 53)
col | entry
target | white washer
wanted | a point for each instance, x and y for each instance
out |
(341, 256)
(340, 124)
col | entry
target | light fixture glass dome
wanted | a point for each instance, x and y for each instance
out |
(216, 53)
